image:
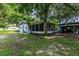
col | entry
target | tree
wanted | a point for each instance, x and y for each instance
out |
(43, 14)
(3, 23)
(13, 13)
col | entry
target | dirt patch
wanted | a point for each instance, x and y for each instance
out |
(3, 36)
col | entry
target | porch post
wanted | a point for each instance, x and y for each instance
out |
(38, 27)
(74, 29)
(34, 28)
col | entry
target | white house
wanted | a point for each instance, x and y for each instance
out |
(23, 27)
(13, 28)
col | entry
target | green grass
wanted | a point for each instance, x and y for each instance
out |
(6, 52)
(38, 43)
(32, 44)
(7, 31)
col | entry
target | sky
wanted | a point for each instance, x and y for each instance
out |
(39, 1)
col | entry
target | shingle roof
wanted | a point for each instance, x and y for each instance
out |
(22, 22)
(72, 20)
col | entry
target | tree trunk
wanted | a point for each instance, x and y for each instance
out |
(45, 27)
(45, 19)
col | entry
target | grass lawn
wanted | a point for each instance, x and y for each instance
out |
(7, 32)
(27, 45)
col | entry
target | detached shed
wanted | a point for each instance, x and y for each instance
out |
(23, 27)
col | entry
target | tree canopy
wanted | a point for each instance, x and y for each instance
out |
(15, 12)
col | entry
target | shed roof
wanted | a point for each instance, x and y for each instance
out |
(23, 22)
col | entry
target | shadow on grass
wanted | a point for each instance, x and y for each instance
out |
(38, 45)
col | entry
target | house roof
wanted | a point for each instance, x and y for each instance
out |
(34, 23)
(72, 20)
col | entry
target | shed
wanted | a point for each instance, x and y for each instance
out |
(23, 27)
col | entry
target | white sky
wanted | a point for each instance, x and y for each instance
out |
(39, 1)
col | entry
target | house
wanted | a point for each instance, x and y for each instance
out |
(70, 25)
(38, 27)
(13, 28)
